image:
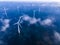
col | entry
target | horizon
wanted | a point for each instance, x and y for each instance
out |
(30, 1)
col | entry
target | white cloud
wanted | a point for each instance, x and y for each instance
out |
(57, 36)
(26, 17)
(34, 20)
(5, 24)
(31, 20)
(6, 21)
(48, 22)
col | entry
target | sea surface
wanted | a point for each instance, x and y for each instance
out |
(29, 23)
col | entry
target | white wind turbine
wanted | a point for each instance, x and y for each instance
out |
(34, 14)
(18, 9)
(5, 11)
(18, 23)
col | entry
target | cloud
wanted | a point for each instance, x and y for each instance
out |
(26, 17)
(31, 20)
(57, 36)
(5, 24)
(48, 22)
(34, 20)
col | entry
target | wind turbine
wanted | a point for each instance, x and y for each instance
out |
(34, 14)
(5, 11)
(18, 24)
(18, 9)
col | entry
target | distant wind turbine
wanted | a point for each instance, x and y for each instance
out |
(34, 14)
(5, 11)
(18, 9)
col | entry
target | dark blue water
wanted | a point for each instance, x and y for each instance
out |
(33, 34)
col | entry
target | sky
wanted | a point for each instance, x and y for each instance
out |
(32, 0)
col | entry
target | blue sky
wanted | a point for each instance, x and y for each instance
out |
(33, 0)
